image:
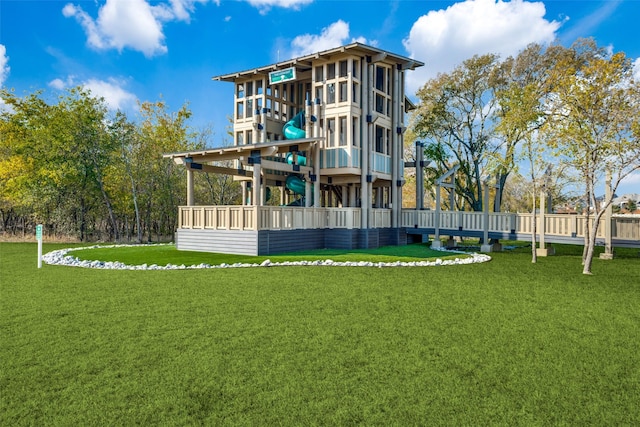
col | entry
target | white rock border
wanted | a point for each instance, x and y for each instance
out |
(60, 257)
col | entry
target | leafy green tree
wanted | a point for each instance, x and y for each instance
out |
(594, 122)
(161, 183)
(456, 117)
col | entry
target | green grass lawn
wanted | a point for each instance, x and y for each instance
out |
(168, 254)
(505, 342)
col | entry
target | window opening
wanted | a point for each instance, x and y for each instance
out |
(343, 131)
(331, 93)
(331, 127)
(331, 71)
(379, 78)
(343, 68)
(379, 103)
(343, 91)
(379, 139)
(355, 132)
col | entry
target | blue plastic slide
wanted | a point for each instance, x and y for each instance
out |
(297, 185)
(293, 128)
(302, 160)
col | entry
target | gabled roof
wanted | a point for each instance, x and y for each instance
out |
(305, 62)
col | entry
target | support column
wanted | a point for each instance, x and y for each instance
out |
(486, 247)
(307, 118)
(437, 244)
(190, 197)
(244, 193)
(316, 153)
(542, 250)
(256, 184)
(365, 172)
(395, 195)
(419, 176)
(263, 128)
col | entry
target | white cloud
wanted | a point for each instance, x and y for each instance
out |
(334, 35)
(176, 10)
(133, 24)
(116, 97)
(444, 38)
(58, 84)
(265, 5)
(4, 64)
(112, 90)
(120, 24)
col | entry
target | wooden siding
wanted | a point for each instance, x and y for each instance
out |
(221, 241)
(273, 242)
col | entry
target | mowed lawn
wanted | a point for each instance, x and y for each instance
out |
(505, 342)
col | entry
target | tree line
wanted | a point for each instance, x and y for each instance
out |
(550, 113)
(92, 175)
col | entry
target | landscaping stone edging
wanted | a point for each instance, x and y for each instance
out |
(60, 257)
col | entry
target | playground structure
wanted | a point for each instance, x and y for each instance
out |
(328, 130)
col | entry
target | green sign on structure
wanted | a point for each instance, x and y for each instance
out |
(282, 76)
(39, 231)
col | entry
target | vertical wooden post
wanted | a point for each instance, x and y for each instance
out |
(542, 227)
(419, 176)
(256, 185)
(190, 197)
(316, 153)
(486, 247)
(437, 244)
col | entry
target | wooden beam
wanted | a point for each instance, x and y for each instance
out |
(284, 167)
(216, 169)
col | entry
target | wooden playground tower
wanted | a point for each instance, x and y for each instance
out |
(325, 128)
(328, 130)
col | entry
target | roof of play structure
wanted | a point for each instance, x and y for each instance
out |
(305, 62)
(236, 151)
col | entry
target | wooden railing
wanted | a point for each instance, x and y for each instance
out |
(217, 217)
(290, 218)
(622, 226)
(271, 218)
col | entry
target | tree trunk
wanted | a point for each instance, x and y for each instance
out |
(534, 229)
(107, 202)
(589, 249)
(591, 245)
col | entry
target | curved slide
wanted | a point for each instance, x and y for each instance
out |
(297, 185)
(293, 129)
(302, 160)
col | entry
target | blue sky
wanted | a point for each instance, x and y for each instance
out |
(138, 50)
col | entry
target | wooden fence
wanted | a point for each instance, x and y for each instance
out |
(291, 218)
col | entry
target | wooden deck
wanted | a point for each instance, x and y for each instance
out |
(235, 226)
